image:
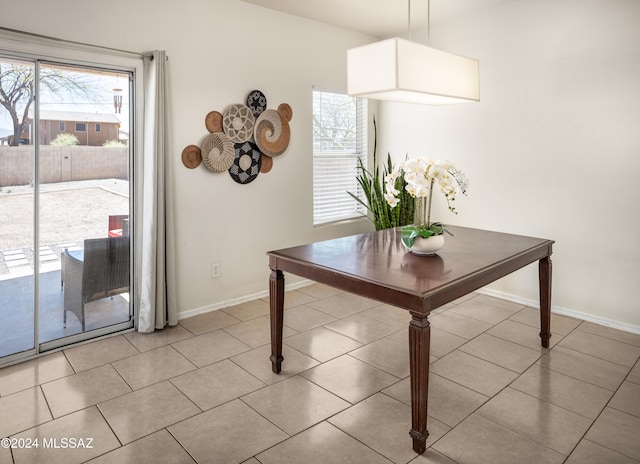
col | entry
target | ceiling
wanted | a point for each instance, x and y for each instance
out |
(379, 18)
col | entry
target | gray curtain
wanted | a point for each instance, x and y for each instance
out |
(155, 249)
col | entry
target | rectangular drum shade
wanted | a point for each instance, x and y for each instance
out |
(400, 70)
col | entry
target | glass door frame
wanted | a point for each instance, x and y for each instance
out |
(110, 61)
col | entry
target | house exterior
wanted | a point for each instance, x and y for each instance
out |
(93, 129)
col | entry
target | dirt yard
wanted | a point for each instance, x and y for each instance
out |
(69, 212)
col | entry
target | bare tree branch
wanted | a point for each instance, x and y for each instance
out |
(17, 90)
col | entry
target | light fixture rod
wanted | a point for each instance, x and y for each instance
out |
(400, 70)
(428, 22)
(409, 17)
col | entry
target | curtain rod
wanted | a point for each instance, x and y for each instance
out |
(47, 37)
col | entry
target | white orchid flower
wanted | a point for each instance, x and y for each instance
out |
(391, 200)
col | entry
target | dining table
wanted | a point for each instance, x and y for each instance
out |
(376, 265)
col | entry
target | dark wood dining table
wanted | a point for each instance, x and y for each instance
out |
(376, 265)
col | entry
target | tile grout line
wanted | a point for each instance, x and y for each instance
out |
(594, 356)
(179, 442)
(583, 437)
(349, 353)
(593, 421)
(582, 380)
(500, 391)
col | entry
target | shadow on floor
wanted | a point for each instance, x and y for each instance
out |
(17, 312)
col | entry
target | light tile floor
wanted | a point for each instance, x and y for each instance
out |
(204, 391)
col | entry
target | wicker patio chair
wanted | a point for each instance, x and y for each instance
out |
(99, 271)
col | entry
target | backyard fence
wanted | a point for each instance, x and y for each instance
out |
(63, 164)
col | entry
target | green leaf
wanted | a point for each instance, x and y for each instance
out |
(408, 236)
(426, 233)
(409, 233)
(374, 189)
(435, 229)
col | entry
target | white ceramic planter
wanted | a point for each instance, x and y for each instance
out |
(427, 246)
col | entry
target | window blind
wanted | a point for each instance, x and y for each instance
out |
(339, 139)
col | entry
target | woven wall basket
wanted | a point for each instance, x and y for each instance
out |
(285, 110)
(191, 156)
(213, 121)
(257, 102)
(238, 122)
(272, 133)
(218, 152)
(267, 164)
(247, 163)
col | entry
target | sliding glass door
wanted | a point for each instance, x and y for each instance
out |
(65, 204)
(17, 213)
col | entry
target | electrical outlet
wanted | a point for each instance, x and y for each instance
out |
(215, 270)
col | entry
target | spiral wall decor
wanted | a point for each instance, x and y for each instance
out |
(272, 133)
(243, 139)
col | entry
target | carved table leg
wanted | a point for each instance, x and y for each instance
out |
(276, 303)
(419, 340)
(544, 276)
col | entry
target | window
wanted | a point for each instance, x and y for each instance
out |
(339, 139)
(97, 127)
(61, 127)
(81, 127)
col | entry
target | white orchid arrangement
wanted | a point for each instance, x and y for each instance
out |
(421, 176)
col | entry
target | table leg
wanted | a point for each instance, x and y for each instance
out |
(544, 276)
(276, 304)
(419, 340)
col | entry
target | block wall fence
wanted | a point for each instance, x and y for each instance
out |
(62, 164)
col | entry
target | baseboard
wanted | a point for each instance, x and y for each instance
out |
(485, 291)
(239, 300)
(563, 311)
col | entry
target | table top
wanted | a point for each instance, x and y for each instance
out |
(377, 265)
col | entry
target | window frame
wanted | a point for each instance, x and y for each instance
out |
(50, 50)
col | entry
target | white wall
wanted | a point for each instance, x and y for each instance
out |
(552, 149)
(218, 51)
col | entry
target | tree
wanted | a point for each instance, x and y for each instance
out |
(334, 122)
(65, 140)
(17, 90)
(114, 143)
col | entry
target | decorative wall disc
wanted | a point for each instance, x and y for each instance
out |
(285, 110)
(267, 164)
(191, 156)
(213, 121)
(272, 133)
(217, 152)
(238, 122)
(242, 139)
(257, 102)
(247, 162)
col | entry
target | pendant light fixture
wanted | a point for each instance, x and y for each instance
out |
(401, 70)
